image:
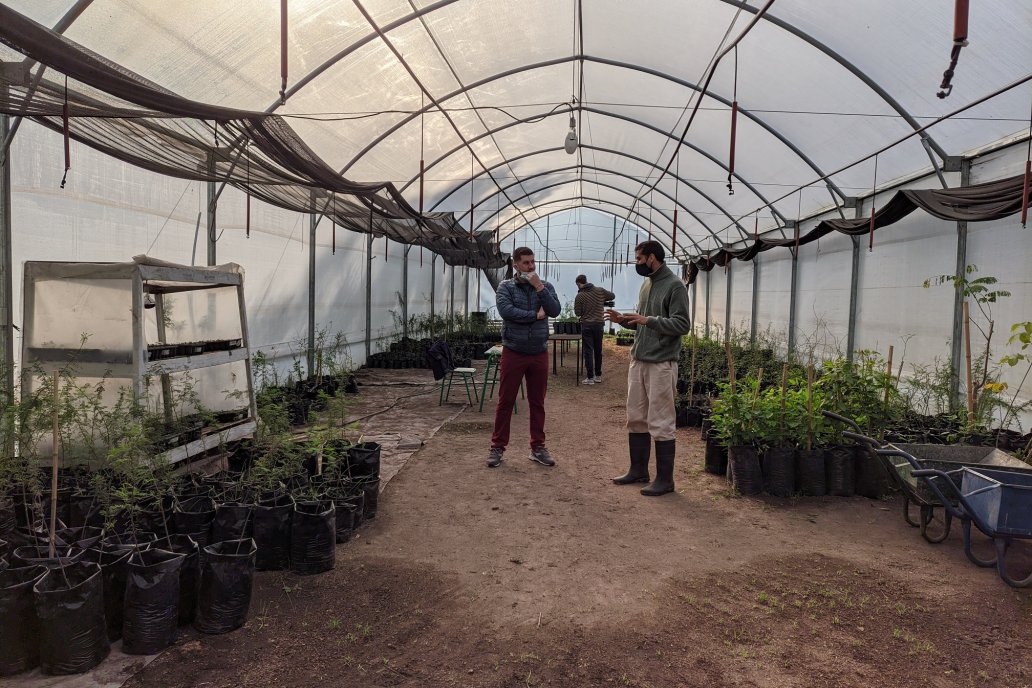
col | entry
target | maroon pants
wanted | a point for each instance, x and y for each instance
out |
(514, 367)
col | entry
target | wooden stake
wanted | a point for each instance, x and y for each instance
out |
(730, 365)
(784, 390)
(759, 381)
(691, 389)
(967, 363)
(53, 465)
(888, 377)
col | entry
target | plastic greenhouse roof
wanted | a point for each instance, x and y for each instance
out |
(486, 87)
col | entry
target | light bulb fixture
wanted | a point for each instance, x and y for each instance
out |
(148, 301)
(570, 144)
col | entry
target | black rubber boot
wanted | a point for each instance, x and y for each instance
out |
(640, 446)
(664, 481)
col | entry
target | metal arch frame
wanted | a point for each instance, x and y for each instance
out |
(780, 23)
(601, 150)
(580, 197)
(499, 209)
(605, 61)
(741, 230)
(659, 229)
(604, 113)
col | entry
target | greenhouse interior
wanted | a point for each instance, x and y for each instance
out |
(305, 305)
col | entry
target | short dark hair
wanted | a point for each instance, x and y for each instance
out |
(653, 248)
(520, 252)
(581, 279)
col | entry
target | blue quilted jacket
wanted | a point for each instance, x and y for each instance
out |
(518, 303)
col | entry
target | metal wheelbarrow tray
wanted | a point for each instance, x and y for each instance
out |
(997, 501)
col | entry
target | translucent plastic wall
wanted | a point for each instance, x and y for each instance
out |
(893, 306)
(110, 211)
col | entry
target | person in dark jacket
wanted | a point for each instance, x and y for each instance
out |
(588, 307)
(525, 303)
(662, 319)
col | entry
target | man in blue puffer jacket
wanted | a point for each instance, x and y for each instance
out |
(525, 303)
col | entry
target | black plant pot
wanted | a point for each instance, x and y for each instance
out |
(746, 475)
(716, 457)
(272, 533)
(69, 603)
(840, 471)
(313, 537)
(19, 627)
(227, 576)
(114, 567)
(779, 472)
(872, 477)
(810, 472)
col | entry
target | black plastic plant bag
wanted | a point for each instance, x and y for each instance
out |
(840, 471)
(151, 601)
(8, 521)
(114, 567)
(810, 472)
(371, 493)
(189, 573)
(84, 510)
(313, 537)
(133, 540)
(345, 508)
(193, 515)
(233, 521)
(779, 471)
(70, 605)
(364, 459)
(19, 627)
(30, 555)
(272, 519)
(227, 575)
(83, 536)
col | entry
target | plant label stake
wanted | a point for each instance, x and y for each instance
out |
(967, 364)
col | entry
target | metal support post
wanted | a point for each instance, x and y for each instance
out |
(754, 306)
(854, 295)
(451, 298)
(313, 222)
(956, 340)
(369, 296)
(433, 289)
(709, 290)
(465, 293)
(213, 202)
(6, 280)
(404, 293)
(727, 303)
(792, 299)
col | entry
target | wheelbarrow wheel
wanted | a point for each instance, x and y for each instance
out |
(906, 513)
(1002, 544)
(984, 563)
(927, 516)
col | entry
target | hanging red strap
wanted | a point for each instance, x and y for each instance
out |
(960, 34)
(283, 52)
(67, 136)
(1024, 192)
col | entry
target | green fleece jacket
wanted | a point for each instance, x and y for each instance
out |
(664, 299)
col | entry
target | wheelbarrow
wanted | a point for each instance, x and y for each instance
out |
(901, 460)
(997, 501)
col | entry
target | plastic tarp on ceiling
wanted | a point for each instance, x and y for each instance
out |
(486, 88)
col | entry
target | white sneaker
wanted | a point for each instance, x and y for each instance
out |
(588, 381)
(598, 379)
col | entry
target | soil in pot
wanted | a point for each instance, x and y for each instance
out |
(272, 519)
(779, 472)
(227, 576)
(810, 472)
(313, 537)
(151, 601)
(69, 603)
(19, 627)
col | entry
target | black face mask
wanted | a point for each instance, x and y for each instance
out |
(642, 269)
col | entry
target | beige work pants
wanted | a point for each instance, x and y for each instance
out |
(650, 399)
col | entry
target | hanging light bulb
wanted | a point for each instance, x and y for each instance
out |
(570, 145)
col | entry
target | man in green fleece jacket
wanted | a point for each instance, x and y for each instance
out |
(662, 319)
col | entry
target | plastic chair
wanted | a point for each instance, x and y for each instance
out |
(491, 372)
(468, 379)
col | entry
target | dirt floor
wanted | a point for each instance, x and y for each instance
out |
(530, 576)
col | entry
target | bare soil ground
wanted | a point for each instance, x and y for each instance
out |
(529, 576)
